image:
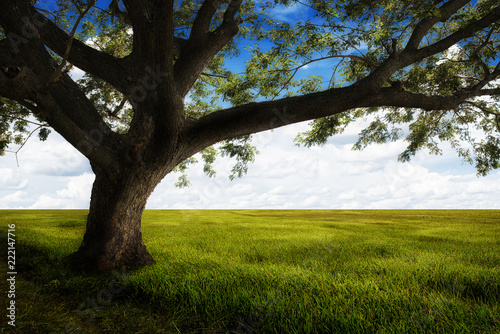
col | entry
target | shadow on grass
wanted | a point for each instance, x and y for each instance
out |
(57, 298)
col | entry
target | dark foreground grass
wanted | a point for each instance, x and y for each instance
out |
(266, 272)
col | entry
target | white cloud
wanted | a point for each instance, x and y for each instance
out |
(451, 54)
(78, 187)
(76, 73)
(333, 176)
(288, 14)
(54, 175)
(14, 198)
(10, 180)
(75, 195)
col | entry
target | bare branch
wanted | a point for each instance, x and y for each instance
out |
(61, 68)
(27, 121)
(488, 92)
(24, 143)
(296, 69)
(90, 60)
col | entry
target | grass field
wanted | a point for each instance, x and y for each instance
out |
(260, 271)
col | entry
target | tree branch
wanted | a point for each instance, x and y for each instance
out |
(118, 108)
(60, 69)
(296, 69)
(118, 13)
(27, 121)
(64, 107)
(488, 92)
(197, 52)
(484, 110)
(425, 25)
(409, 55)
(203, 19)
(97, 63)
(256, 117)
(466, 32)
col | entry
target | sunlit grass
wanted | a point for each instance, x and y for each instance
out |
(276, 272)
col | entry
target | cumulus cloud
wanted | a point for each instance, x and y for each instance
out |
(75, 195)
(10, 180)
(334, 176)
(289, 14)
(13, 199)
(54, 175)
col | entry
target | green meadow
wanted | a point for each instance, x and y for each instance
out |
(265, 271)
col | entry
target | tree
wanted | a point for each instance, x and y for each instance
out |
(159, 87)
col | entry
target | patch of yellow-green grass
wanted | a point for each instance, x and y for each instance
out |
(277, 271)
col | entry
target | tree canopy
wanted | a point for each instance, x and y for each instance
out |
(439, 57)
(167, 79)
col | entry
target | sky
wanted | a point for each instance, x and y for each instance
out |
(53, 175)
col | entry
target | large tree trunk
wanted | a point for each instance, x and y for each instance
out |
(113, 238)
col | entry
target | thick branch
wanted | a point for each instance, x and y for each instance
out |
(201, 23)
(64, 106)
(466, 32)
(141, 18)
(256, 117)
(409, 56)
(67, 112)
(201, 48)
(425, 25)
(61, 68)
(262, 116)
(90, 60)
(488, 92)
(118, 13)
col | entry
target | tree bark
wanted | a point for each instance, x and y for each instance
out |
(113, 237)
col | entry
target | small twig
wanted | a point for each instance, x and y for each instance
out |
(332, 79)
(25, 120)
(22, 145)
(456, 112)
(214, 75)
(487, 112)
(485, 42)
(295, 70)
(484, 110)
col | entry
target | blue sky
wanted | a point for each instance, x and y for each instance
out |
(54, 175)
